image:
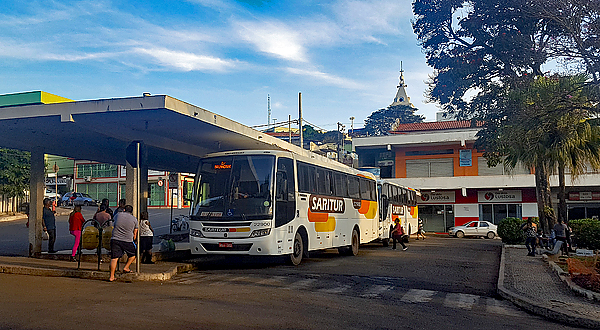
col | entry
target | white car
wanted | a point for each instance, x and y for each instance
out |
(474, 228)
(51, 195)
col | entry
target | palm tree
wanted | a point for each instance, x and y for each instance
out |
(550, 132)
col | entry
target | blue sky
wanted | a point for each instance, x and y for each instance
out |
(224, 56)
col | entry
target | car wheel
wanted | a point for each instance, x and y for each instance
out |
(298, 250)
(86, 203)
(491, 235)
(459, 234)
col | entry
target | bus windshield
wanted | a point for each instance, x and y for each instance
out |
(235, 188)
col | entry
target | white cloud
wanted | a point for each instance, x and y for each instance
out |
(274, 38)
(187, 61)
(326, 78)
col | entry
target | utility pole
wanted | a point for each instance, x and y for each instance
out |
(300, 119)
(351, 125)
(290, 128)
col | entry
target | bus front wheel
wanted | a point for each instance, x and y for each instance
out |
(298, 250)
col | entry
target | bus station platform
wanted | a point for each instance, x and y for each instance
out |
(59, 265)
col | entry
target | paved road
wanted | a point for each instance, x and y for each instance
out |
(440, 283)
(14, 239)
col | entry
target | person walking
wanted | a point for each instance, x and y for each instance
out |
(530, 230)
(49, 222)
(124, 233)
(76, 221)
(420, 231)
(146, 238)
(397, 235)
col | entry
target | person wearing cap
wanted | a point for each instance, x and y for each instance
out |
(397, 235)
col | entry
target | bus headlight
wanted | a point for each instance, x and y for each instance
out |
(196, 233)
(260, 232)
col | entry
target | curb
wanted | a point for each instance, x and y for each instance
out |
(565, 277)
(95, 274)
(536, 308)
(13, 217)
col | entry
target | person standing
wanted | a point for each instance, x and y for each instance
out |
(120, 208)
(397, 235)
(530, 230)
(49, 224)
(124, 233)
(560, 231)
(76, 221)
(102, 216)
(146, 238)
(420, 229)
(106, 204)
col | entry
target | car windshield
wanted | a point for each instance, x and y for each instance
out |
(235, 188)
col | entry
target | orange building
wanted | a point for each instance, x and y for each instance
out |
(457, 186)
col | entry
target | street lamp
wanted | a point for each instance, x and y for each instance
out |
(351, 125)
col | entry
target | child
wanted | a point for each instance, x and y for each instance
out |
(146, 237)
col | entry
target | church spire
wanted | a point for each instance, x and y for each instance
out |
(401, 97)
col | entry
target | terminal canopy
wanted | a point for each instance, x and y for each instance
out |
(176, 134)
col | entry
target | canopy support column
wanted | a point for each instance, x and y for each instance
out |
(36, 197)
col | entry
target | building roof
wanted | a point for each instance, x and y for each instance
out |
(436, 125)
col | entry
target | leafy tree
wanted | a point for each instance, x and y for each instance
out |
(310, 134)
(382, 121)
(486, 55)
(14, 172)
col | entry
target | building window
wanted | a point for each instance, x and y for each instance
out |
(425, 168)
(96, 171)
(99, 191)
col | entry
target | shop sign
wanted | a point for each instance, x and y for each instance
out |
(388, 162)
(438, 197)
(499, 196)
(584, 196)
(51, 181)
(465, 158)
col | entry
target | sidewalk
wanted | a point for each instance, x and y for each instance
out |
(58, 265)
(535, 285)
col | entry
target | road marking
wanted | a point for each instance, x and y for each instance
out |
(337, 289)
(501, 307)
(460, 300)
(418, 296)
(375, 291)
(302, 284)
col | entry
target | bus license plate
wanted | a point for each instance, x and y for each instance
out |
(225, 245)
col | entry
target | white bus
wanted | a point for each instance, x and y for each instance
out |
(396, 202)
(280, 203)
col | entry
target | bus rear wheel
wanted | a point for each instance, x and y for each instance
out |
(355, 243)
(298, 250)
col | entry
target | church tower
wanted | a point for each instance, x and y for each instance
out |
(401, 97)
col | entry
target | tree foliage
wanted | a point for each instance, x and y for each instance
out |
(382, 121)
(14, 172)
(488, 58)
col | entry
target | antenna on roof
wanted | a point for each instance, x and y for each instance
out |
(269, 110)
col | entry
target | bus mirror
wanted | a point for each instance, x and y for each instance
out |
(186, 191)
